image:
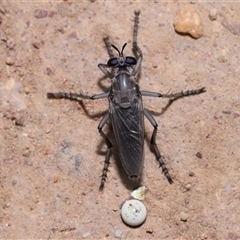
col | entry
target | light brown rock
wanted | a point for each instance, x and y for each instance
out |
(188, 21)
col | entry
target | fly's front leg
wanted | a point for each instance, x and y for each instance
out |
(108, 47)
(135, 45)
(74, 96)
(109, 146)
(155, 148)
(135, 31)
(110, 53)
(105, 71)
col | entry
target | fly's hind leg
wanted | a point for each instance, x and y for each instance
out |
(155, 148)
(109, 146)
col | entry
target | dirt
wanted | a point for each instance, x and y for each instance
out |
(52, 155)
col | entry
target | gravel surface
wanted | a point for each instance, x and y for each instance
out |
(51, 153)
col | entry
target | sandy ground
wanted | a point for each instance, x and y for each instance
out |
(52, 155)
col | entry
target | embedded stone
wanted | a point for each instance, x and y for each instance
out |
(188, 21)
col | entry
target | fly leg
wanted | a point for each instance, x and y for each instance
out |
(135, 45)
(174, 95)
(76, 96)
(135, 31)
(184, 94)
(155, 148)
(109, 146)
(111, 55)
(108, 47)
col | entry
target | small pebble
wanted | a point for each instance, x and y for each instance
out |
(37, 45)
(188, 21)
(49, 71)
(48, 130)
(9, 61)
(139, 193)
(191, 174)
(86, 234)
(19, 121)
(40, 13)
(212, 14)
(14, 182)
(52, 13)
(222, 59)
(118, 233)
(183, 216)
(26, 90)
(188, 186)
(26, 153)
(10, 43)
(149, 230)
(55, 178)
(204, 236)
(72, 35)
(199, 154)
(226, 111)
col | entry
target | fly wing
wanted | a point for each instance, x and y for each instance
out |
(128, 127)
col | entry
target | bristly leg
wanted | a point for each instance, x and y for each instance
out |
(154, 145)
(66, 95)
(184, 94)
(110, 53)
(105, 170)
(158, 155)
(109, 146)
(135, 31)
(108, 47)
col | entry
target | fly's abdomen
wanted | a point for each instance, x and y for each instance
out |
(128, 127)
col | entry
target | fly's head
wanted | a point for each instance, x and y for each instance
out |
(121, 61)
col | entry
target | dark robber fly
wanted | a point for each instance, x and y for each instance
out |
(126, 111)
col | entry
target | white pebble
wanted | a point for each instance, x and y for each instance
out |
(133, 212)
(213, 14)
(118, 233)
(188, 186)
(139, 193)
(86, 234)
(183, 216)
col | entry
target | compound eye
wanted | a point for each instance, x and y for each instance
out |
(131, 61)
(112, 62)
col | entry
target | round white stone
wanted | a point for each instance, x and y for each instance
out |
(133, 212)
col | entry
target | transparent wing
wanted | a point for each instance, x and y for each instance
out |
(128, 127)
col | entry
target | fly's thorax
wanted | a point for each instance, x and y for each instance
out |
(123, 89)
